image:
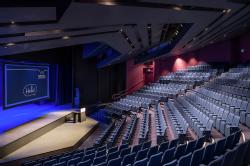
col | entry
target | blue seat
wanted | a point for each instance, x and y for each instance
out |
(220, 147)
(172, 163)
(78, 154)
(246, 158)
(173, 143)
(163, 146)
(153, 150)
(74, 161)
(155, 159)
(50, 162)
(180, 151)
(113, 155)
(199, 143)
(197, 156)
(129, 159)
(99, 160)
(185, 160)
(85, 163)
(101, 164)
(64, 159)
(146, 145)
(113, 149)
(100, 153)
(89, 157)
(90, 151)
(236, 137)
(123, 146)
(208, 153)
(142, 162)
(229, 142)
(102, 148)
(115, 162)
(141, 154)
(190, 146)
(29, 163)
(60, 164)
(136, 148)
(229, 157)
(39, 164)
(217, 162)
(240, 154)
(125, 151)
(168, 156)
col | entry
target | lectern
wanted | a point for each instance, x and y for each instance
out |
(82, 114)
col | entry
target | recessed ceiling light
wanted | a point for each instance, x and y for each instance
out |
(10, 44)
(177, 8)
(65, 37)
(226, 11)
(12, 22)
(121, 30)
(206, 29)
(110, 3)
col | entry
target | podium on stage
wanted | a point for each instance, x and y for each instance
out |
(82, 115)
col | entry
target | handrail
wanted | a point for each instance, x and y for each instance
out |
(125, 92)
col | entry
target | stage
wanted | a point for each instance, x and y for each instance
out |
(46, 135)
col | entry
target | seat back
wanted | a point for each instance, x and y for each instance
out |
(155, 159)
(142, 162)
(141, 154)
(125, 152)
(197, 157)
(208, 153)
(172, 163)
(163, 147)
(74, 161)
(185, 160)
(173, 143)
(115, 162)
(199, 143)
(153, 150)
(99, 160)
(220, 147)
(146, 145)
(129, 159)
(85, 163)
(190, 146)
(180, 151)
(217, 162)
(229, 157)
(136, 148)
(168, 155)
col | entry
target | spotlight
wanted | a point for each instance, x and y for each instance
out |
(10, 44)
(65, 37)
(177, 8)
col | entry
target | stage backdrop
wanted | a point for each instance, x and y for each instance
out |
(25, 83)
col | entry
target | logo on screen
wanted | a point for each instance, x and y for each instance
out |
(41, 74)
(30, 90)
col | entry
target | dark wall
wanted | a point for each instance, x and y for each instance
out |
(97, 85)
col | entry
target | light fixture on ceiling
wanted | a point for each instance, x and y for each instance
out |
(121, 30)
(12, 22)
(178, 8)
(206, 29)
(10, 44)
(226, 11)
(108, 3)
(65, 37)
(149, 26)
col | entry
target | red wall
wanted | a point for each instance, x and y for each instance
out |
(223, 52)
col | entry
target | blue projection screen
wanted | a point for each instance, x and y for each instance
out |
(25, 83)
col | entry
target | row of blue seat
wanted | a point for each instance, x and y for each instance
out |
(102, 137)
(160, 124)
(130, 130)
(144, 126)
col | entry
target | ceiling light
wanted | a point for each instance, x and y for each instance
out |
(226, 11)
(12, 22)
(206, 29)
(177, 8)
(10, 44)
(65, 37)
(121, 30)
(110, 3)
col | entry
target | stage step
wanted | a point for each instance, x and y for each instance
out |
(64, 137)
(18, 137)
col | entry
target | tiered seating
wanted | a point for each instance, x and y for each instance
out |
(115, 132)
(197, 120)
(168, 153)
(130, 130)
(232, 91)
(161, 125)
(192, 75)
(144, 126)
(224, 121)
(101, 138)
(177, 121)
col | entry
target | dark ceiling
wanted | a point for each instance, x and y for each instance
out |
(142, 29)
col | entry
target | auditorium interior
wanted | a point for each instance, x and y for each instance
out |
(124, 82)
